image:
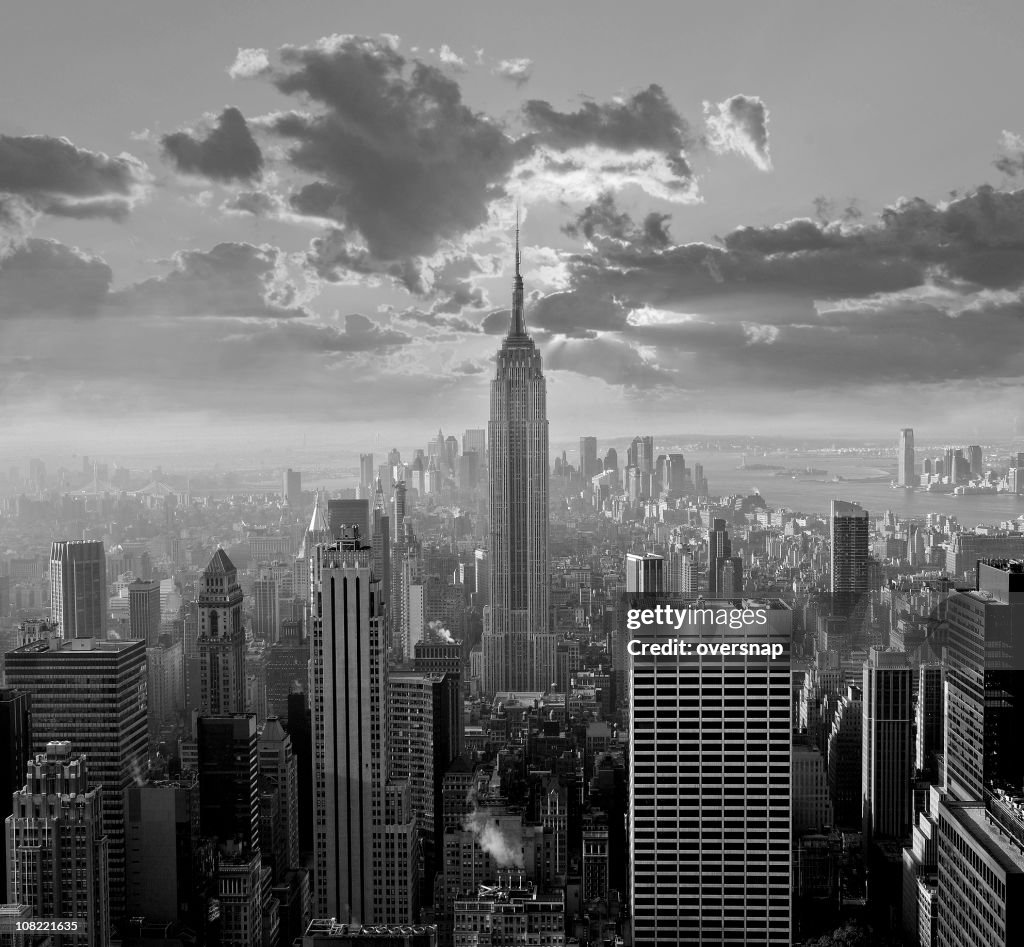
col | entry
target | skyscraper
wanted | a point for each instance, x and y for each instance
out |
(228, 779)
(291, 486)
(589, 464)
(92, 693)
(144, 611)
(709, 785)
(645, 573)
(15, 751)
(278, 767)
(887, 765)
(725, 571)
(221, 638)
(985, 682)
(850, 533)
(78, 588)
(367, 474)
(57, 846)
(906, 474)
(518, 648)
(342, 513)
(169, 868)
(424, 736)
(349, 698)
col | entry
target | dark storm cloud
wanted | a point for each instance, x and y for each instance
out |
(646, 120)
(47, 278)
(228, 152)
(231, 279)
(57, 177)
(397, 155)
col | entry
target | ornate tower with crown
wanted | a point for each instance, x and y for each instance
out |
(518, 647)
(221, 639)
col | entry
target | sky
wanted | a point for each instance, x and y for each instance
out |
(264, 222)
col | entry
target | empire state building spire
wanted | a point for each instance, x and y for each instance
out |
(517, 328)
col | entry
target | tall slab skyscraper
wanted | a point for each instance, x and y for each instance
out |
(518, 648)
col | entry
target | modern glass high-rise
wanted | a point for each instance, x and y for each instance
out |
(518, 648)
(719, 556)
(985, 682)
(709, 785)
(906, 473)
(78, 588)
(15, 751)
(887, 751)
(228, 779)
(58, 849)
(221, 638)
(849, 537)
(645, 573)
(92, 693)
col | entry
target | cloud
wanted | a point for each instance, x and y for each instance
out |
(922, 294)
(256, 203)
(249, 64)
(515, 70)
(468, 367)
(398, 159)
(47, 278)
(644, 122)
(17, 216)
(612, 360)
(569, 314)
(335, 258)
(496, 322)
(228, 152)
(739, 125)
(56, 177)
(450, 59)
(603, 219)
(360, 334)
(232, 279)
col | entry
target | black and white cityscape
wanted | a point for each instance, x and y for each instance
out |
(532, 476)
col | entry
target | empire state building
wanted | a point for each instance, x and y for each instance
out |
(519, 651)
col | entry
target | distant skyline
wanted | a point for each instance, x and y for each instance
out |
(784, 219)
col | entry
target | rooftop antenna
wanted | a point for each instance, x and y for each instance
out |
(517, 329)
